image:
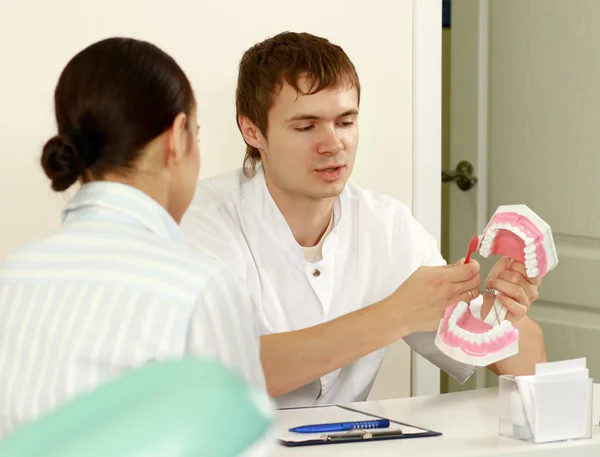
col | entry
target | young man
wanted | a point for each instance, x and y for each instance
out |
(338, 272)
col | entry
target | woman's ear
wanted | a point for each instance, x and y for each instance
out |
(178, 139)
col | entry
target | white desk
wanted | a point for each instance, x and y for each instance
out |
(468, 422)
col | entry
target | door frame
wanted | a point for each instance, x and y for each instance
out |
(427, 141)
(469, 134)
(427, 153)
(482, 118)
(483, 20)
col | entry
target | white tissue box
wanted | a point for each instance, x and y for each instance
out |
(543, 409)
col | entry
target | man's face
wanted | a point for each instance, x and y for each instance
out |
(311, 141)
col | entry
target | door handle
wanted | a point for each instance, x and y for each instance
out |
(462, 175)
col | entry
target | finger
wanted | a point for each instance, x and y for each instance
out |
(520, 267)
(531, 290)
(514, 277)
(476, 292)
(461, 291)
(503, 263)
(516, 311)
(517, 266)
(473, 283)
(514, 291)
(467, 296)
(535, 281)
(462, 272)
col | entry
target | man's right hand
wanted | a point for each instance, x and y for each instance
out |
(421, 300)
(293, 359)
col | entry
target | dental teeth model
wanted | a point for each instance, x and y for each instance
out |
(517, 232)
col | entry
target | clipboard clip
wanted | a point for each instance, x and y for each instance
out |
(362, 434)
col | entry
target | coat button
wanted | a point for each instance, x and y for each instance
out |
(316, 273)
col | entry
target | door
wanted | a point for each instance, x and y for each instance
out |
(524, 111)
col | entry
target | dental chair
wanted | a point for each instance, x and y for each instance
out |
(181, 408)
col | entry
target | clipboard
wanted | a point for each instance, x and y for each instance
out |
(292, 417)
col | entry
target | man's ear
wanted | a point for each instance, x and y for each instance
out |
(251, 133)
(178, 139)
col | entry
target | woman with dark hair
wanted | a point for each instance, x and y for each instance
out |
(115, 287)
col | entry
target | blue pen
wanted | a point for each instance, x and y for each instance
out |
(342, 426)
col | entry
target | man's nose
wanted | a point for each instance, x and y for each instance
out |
(330, 142)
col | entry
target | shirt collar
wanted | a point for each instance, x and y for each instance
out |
(256, 195)
(112, 201)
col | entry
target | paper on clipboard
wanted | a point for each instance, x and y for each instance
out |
(304, 416)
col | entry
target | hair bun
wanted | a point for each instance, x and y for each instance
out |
(62, 162)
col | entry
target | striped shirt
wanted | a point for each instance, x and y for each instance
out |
(115, 287)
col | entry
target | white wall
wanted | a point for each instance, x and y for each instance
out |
(207, 39)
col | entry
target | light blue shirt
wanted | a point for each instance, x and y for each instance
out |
(113, 288)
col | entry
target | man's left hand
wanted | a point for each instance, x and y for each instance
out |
(517, 292)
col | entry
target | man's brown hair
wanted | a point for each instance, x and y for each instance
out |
(285, 58)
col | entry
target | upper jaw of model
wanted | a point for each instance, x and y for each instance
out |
(517, 232)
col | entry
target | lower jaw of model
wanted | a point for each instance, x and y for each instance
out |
(517, 232)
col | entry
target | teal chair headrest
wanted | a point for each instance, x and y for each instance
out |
(189, 407)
